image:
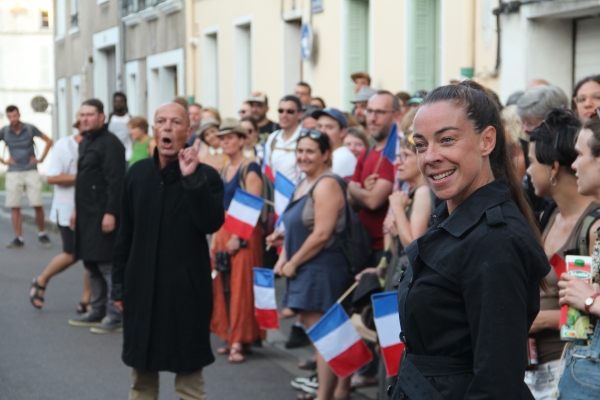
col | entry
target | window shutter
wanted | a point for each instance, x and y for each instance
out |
(357, 43)
(587, 48)
(423, 48)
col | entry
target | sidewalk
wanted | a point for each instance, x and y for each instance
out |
(275, 338)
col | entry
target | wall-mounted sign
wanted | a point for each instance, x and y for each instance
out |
(306, 41)
(316, 6)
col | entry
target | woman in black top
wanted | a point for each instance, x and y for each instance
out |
(471, 291)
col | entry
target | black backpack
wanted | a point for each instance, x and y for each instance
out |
(356, 241)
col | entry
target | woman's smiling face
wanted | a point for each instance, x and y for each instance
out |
(451, 155)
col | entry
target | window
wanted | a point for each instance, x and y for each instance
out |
(74, 13)
(357, 44)
(423, 56)
(45, 19)
(211, 69)
(61, 18)
(292, 59)
(242, 66)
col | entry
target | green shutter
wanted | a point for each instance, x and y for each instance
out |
(423, 60)
(357, 43)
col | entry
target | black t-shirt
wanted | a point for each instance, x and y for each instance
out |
(270, 127)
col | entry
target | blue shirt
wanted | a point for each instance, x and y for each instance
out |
(234, 183)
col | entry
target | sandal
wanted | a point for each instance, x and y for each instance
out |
(307, 396)
(236, 355)
(223, 350)
(309, 365)
(35, 286)
(82, 307)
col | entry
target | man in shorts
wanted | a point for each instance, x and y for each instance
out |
(23, 174)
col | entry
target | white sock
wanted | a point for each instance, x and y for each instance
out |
(41, 233)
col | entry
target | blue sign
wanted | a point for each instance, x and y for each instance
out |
(305, 41)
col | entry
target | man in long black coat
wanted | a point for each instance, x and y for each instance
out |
(162, 274)
(98, 186)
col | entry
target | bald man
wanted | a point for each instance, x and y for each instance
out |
(162, 273)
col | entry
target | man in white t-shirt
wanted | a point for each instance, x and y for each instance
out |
(61, 173)
(117, 123)
(280, 149)
(333, 123)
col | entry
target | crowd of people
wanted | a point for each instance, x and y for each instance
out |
(464, 224)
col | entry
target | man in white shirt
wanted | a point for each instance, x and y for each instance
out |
(117, 123)
(61, 173)
(280, 148)
(333, 123)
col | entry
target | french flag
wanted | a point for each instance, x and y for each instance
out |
(267, 170)
(265, 307)
(284, 189)
(389, 151)
(339, 343)
(243, 213)
(387, 322)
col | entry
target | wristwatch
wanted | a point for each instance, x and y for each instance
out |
(589, 301)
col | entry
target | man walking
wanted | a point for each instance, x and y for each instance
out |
(23, 174)
(162, 274)
(98, 185)
(117, 123)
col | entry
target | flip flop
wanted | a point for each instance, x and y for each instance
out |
(36, 294)
(236, 356)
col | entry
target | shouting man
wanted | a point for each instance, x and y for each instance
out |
(162, 274)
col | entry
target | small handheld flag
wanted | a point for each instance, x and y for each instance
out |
(243, 214)
(389, 151)
(265, 306)
(266, 167)
(387, 322)
(339, 343)
(284, 189)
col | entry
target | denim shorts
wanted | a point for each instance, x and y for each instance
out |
(581, 376)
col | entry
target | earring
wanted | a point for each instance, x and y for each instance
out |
(553, 181)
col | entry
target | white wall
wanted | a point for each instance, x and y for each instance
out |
(242, 67)
(210, 63)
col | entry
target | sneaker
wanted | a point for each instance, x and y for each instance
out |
(311, 382)
(15, 243)
(87, 319)
(298, 338)
(45, 241)
(108, 326)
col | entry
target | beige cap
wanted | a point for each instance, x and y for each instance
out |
(231, 125)
(207, 123)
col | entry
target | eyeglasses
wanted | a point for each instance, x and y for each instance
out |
(312, 133)
(288, 111)
(378, 113)
(583, 98)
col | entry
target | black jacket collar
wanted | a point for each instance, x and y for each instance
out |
(472, 209)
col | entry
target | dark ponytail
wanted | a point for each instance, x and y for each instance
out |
(483, 110)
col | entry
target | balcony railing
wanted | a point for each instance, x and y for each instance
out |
(132, 6)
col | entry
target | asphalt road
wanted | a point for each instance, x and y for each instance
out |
(42, 357)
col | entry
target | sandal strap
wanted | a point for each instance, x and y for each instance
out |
(36, 285)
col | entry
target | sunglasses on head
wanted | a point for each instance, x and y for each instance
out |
(287, 111)
(312, 133)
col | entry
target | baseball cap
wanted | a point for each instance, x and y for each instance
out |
(361, 75)
(258, 97)
(333, 113)
(231, 125)
(364, 94)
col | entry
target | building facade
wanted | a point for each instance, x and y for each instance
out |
(553, 40)
(26, 67)
(403, 44)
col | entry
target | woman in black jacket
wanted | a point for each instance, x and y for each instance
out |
(471, 292)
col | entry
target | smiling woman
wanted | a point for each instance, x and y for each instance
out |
(465, 311)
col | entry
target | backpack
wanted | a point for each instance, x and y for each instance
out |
(356, 242)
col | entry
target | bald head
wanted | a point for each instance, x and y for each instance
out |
(170, 108)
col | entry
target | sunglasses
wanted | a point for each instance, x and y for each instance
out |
(312, 133)
(288, 111)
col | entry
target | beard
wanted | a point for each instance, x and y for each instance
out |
(260, 117)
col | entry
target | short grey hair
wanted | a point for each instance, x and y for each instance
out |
(539, 100)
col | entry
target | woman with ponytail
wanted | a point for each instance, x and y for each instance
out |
(471, 291)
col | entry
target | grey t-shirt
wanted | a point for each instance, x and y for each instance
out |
(20, 146)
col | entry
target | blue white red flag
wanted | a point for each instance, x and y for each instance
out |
(266, 167)
(284, 189)
(389, 151)
(387, 322)
(339, 343)
(265, 306)
(243, 213)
